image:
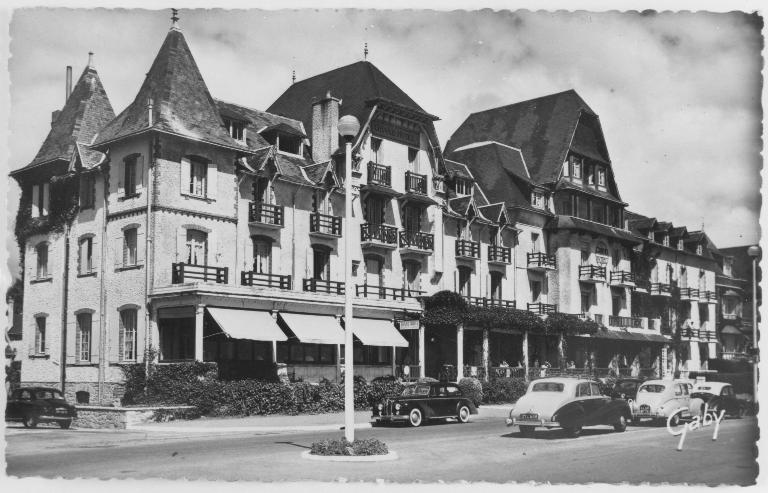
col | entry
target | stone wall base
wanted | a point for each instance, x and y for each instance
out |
(113, 391)
(122, 418)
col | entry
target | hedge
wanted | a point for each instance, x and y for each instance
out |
(503, 390)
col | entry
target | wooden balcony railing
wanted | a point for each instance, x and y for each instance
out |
(490, 302)
(191, 273)
(417, 240)
(262, 213)
(467, 249)
(541, 308)
(379, 174)
(385, 293)
(622, 277)
(378, 233)
(625, 322)
(689, 294)
(708, 296)
(250, 278)
(499, 254)
(323, 286)
(690, 333)
(661, 289)
(592, 273)
(415, 183)
(538, 260)
(324, 224)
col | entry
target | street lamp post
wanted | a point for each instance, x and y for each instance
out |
(348, 128)
(754, 252)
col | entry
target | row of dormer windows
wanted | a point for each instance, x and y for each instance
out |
(581, 169)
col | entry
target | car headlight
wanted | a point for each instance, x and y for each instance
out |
(381, 406)
(397, 406)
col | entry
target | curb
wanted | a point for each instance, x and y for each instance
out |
(391, 455)
(242, 429)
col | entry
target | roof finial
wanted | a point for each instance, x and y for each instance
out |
(175, 19)
(293, 77)
(365, 51)
(90, 59)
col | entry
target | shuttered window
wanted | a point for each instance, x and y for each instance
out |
(129, 247)
(198, 177)
(128, 335)
(83, 339)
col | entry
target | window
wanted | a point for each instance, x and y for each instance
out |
(129, 175)
(373, 267)
(85, 256)
(565, 206)
(40, 335)
(129, 246)
(665, 240)
(236, 129)
(262, 191)
(413, 159)
(198, 175)
(465, 281)
(375, 210)
(321, 262)
(535, 290)
(598, 212)
(262, 255)
(289, 143)
(293, 352)
(566, 168)
(40, 197)
(535, 242)
(616, 302)
(582, 390)
(87, 191)
(321, 202)
(699, 250)
(616, 257)
(496, 279)
(197, 247)
(462, 187)
(41, 252)
(601, 177)
(576, 167)
(680, 245)
(411, 218)
(412, 275)
(589, 170)
(586, 301)
(177, 339)
(594, 389)
(376, 150)
(127, 347)
(83, 337)
(537, 200)
(584, 257)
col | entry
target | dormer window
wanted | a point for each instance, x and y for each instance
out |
(590, 172)
(537, 200)
(576, 167)
(600, 177)
(680, 245)
(285, 141)
(235, 128)
(699, 250)
(665, 240)
(463, 187)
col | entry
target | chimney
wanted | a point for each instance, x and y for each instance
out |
(325, 124)
(54, 116)
(69, 83)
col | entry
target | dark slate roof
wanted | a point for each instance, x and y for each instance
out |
(316, 172)
(86, 111)
(742, 262)
(492, 211)
(702, 238)
(291, 168)
(257, 121)
(182, 104)
(254, 162)
(541, 128)
(460, 205)
(358, 85)
(639, 223)
(89, 158)
(578, 224)
(663, 226)
(459, 170)
(478, 154)
(678, 231)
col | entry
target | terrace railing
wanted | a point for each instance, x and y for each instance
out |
(323, 286)
(269, 214)
(250, 278)
(379, 174)
(378, 233)
(499, 254)
(182, 273)
(415, 183)
(325, 224)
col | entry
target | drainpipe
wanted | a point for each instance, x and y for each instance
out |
(64, 299)
(103, 296)
(148, 249)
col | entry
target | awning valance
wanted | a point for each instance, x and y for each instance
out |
(314, 329)
(373, 332)
(629, 336)
(247, 324)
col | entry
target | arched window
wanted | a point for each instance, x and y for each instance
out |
(197, 247)
(130, 246)
(83, 337)
(262, 255)
(41, 252)
(127, 336)
(85, 255)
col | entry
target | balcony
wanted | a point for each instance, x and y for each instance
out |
(378, 235)
(592, 273)
(262, 280)
(541, 261)
(623, 278)
(642, 285)
(384, 293)
(183, 273)
(324, 225)
(415, 183)
(490, 302)
(416, 242)
(541, 308)
(323, 286)
(708, 335)
(661, 289)
(708, 297)
(730, 315)
(261, 214)
(379, 174)
(689, 294)
(467, 249)
(625, 322)
(690, 333)
(499, 255)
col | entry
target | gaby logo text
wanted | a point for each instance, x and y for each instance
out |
(706, 419)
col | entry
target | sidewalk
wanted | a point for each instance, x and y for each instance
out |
(281, 423)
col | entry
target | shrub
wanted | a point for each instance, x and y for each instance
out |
(503, 390)
(368, 446)
(472, 389)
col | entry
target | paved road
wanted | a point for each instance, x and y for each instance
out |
(483, 450)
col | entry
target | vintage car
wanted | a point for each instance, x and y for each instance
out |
(659, 400)
(719, 396)
(626, 388)
(424, 401)
(33, 405)
(568, 403)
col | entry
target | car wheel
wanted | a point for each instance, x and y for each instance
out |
(65, 424)
(463, 414)
(573, 431)
(415, 418)
(621, 425)
(29, 421)
(675, 420)
(527, 431)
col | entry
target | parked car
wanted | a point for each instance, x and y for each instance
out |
(424, 401)
(33, 405)
(568, 403)
(719, 396)
(626, 388)
(658, 400)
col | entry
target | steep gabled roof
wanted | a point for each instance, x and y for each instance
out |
(543, 129)
(86, 111)
(456, 169)
(87, 157)
(358, 85)
(258, 121)
(181, 102)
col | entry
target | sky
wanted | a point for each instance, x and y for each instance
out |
(678, 94)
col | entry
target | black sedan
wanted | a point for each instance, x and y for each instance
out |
(719, 396)
(33, 405)
(626, 388)
(424, 401)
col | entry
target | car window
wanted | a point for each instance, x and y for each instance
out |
(651, 388)
(626, 385)
(727, 391)
(415, 390)
(547, 387)
(440, 391)
(582, 389)
(686, 388)
(594, 389)
(678, 390)
(453, 391)
(48, 394)
(26, 395)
